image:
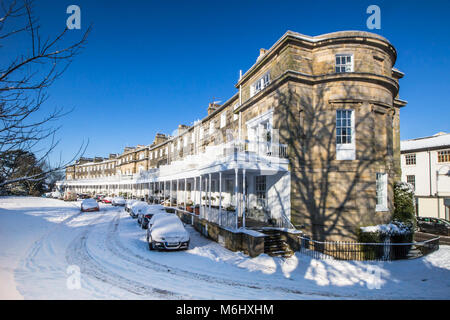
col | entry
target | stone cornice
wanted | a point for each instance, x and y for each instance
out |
(400, 103)
(295, 76)
(311, 43)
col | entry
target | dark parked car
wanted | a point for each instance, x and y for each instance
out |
(136, 207)
(128, 204)
(99, 197)
(433, 225)
(146, 214)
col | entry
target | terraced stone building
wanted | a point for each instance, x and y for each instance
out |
(310, 140)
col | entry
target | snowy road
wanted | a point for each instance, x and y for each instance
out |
(41, 238)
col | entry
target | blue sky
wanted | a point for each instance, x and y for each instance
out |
(151, 65)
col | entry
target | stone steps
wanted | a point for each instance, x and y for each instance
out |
(274, 245)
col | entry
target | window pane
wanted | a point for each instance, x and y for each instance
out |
(343, 126)
(343, 63)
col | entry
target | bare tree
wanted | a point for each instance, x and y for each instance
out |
(24, 81)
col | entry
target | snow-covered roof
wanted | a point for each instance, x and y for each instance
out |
(440, 139)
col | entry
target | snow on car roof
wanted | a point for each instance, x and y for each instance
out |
(155, 209)
(166, 218)
(139, 203)
(167, 222)
(89, 201)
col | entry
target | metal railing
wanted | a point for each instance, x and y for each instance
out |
(284, 222)
(263, 215)
(386, 251)
(237, 148)
(269, 149)
(224, 218)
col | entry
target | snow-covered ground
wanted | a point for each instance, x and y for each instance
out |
(44, 242)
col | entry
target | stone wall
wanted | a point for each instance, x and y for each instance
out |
(235, 241)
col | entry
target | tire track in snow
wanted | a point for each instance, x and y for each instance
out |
(78, 254)
(28, 262)
(114, 244)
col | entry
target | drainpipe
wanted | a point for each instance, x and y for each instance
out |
(200, 208)
(240, 103)
(185, 193)
(429, 169)
(209, 184)
(236, 195)
(437, 193)
(220, 197)
(243, 199)
(194, 202)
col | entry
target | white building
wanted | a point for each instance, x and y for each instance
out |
(425, 164)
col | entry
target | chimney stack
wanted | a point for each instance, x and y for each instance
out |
(262, 52)
(213, 107)
(182, 128)
(159, 138)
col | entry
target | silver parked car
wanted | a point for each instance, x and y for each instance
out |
(166, 232)
(118, 201)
